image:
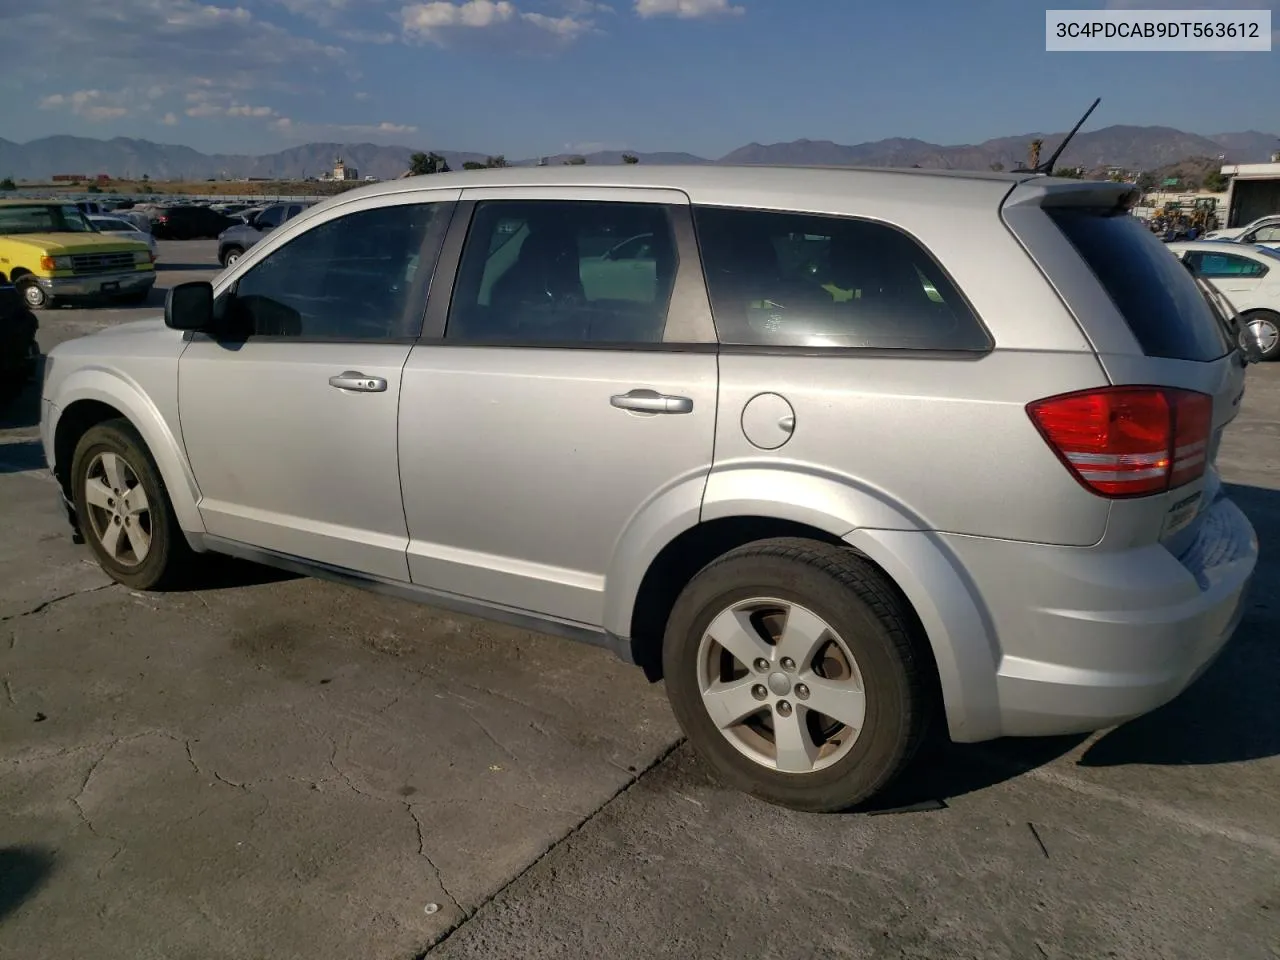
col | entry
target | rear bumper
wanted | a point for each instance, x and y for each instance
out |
(96, 285)
(1088, 638)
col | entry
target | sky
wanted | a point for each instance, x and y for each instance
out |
(529, 78)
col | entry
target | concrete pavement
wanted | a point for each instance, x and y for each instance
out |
(275, 767)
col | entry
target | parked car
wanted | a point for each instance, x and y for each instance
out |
(116, 226)
(50, 252)
(236, 239)
(19, 352)
(187, 222)
(871, 447)
(1245, 233)
(1249, 277)
(90, 207)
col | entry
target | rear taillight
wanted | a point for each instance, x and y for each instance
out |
(1128, 441)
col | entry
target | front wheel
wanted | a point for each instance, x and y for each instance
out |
(794, 668)
(123, 509)
(33, 295)
(1263, 328)
(231, 255)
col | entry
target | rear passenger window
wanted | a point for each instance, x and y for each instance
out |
(561, 271)
(1155, 294)
(800, 280)
(1216, 265)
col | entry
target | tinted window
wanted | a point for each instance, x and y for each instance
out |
(540, 271)
(798, 280)
(1224, 265)
(271, 217)
(359, 277)
(1154, 293)
(1264, 235)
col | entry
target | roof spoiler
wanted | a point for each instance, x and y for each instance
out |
(1096, 194)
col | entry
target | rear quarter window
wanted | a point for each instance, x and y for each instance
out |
(1151, 289)
(805, 280)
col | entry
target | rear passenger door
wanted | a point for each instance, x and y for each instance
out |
(562, 405)
(1237, 277)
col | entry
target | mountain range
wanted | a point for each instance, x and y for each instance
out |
(1130, 147)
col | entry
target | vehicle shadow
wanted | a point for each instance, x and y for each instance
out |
(23, 871)
(164, 266)
(24, 409)
(21, 456)
(1229, 715)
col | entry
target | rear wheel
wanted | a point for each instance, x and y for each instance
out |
(793, 668)
(123, 509)
(1263, 328)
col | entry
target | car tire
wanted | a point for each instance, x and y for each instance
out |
(1263, 326)
(33, 295)
(147, 550)
(231, 255)
(862, 653)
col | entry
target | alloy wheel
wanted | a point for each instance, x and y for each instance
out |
(119, 511)
(781, 685)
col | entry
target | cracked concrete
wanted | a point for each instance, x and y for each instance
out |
(277, 767)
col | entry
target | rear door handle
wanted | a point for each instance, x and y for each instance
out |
(650, 401)
(355, 380)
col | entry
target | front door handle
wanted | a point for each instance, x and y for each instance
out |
(355, 380)
(650, 401)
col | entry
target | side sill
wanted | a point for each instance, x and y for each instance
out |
(466, 606)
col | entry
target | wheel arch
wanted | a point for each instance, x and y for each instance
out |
(959, 636)
(92, 396)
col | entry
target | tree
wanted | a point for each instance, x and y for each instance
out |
(473, 165)
(997, 166)
(1071, 173)
(93, 188)
(498, 161)
(8, 184)
(1215, 182)
(146, 178)
(576, 162)
(630, 158)
(422, 164)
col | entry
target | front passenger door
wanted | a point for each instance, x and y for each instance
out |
(289, 414)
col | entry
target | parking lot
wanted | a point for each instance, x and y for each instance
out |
(270, 766)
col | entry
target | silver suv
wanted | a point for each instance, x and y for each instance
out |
(831, 451)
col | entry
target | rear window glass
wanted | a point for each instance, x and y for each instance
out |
(1153, 291)
(801, 280)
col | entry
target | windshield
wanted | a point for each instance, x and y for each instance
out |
(42, 218)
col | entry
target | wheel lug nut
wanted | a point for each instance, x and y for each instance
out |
(761, 664)
(802, 691)
(788, 663)
(759, 692)
(784, 708)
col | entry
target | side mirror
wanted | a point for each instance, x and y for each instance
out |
(264, 227)
(189, 306)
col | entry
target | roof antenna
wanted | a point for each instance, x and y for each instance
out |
(1047, 166)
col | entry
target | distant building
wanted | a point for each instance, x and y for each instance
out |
(68, 177)
(342, 172)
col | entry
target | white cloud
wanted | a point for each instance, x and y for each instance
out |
(287, 125)
(441, 21)
(160, 48)
(170, 120)
(686, 9)
(367, 36)
(244, 110)
(94, 105)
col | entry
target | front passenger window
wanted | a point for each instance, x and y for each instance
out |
(363, 276)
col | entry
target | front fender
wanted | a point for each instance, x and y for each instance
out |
(115, 389)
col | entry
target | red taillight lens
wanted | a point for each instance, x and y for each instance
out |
(1128, 441)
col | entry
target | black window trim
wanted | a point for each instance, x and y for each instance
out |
(436, 237)
(688, 292)
(913, 353)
